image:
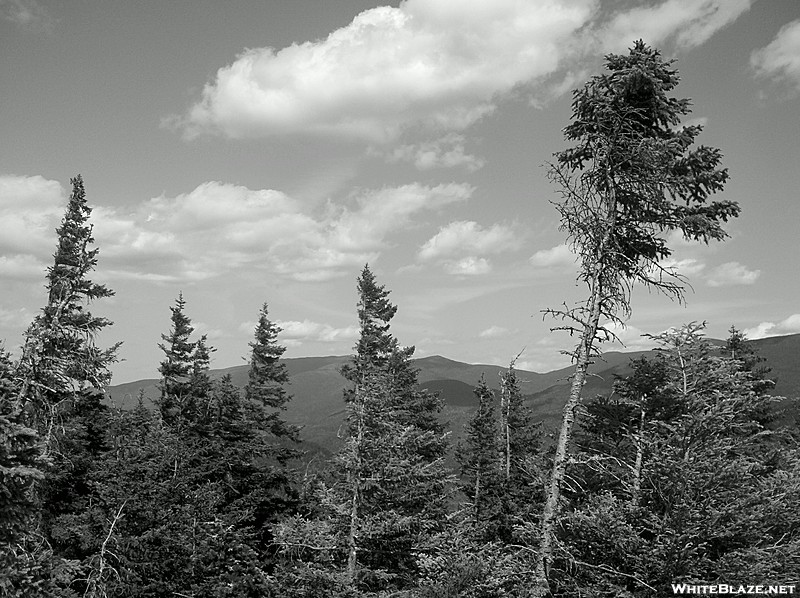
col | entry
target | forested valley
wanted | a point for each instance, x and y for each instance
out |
(685, 474)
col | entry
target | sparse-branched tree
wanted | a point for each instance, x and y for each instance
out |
(632, 178)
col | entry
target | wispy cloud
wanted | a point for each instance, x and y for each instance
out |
(446, 152)
(686, 23)
(294, 332)
(28, 15)
(469, 237)
(468, 266)
(559, 256)
(731, 274)
(493, 332)
(790, 325)
(780, 60)
(461, 246)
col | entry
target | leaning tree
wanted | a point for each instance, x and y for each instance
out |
(632, 177)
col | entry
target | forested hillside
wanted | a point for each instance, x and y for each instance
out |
(377, 475)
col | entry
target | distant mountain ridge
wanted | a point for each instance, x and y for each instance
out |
(316, 386)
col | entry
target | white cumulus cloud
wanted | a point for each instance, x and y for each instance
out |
(780, 60)
(217, 228)
(437, 62)
(442, 64)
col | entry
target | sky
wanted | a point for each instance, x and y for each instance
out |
(256, 151)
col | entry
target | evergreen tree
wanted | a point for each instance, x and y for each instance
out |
(268, 377)
(395, 470)
(482, 463)
(177, 367)
(708, 507)
(60, 357)
(520, 448)
(21, 463)
(389, 488)
(738, 347)
(61, 377)
(193, 504)
(631, 178)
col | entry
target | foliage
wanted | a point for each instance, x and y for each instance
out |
(631, 178)
(388, 488)
(717, 498)
(60, 357)
(481, 463)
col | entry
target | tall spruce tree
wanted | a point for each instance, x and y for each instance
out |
(177, 367)
(631, 178)
(268, 377)
(482, 462)
(60, 357)
(61, 377)
(389, 488)
(397, 482)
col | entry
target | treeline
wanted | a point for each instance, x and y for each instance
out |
(682, 475)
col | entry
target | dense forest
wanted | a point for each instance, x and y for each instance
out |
(684, 474)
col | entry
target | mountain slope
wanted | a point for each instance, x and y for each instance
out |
(317, 386)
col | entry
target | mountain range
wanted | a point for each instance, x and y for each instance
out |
(316, 387)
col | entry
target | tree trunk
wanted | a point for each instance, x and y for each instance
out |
(505, 403)
(355, 484)
(550, 513)
(637, 466)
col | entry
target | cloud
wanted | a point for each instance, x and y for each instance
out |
(684, 267)
(630, 337)
(686, 23)
(732, 273)
(220, 227)
(22, 267)
(30, 210)
(558, 256)
(780, 60)
(468, 237)
(494, 332)
(217, 228)
(28, 15)
(468, 266)
(441, 64)
(458, 247)
(790, 325)
(296, 332)
(445, 152)
(436, 62)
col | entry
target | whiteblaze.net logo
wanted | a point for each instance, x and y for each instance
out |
(724, 589)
